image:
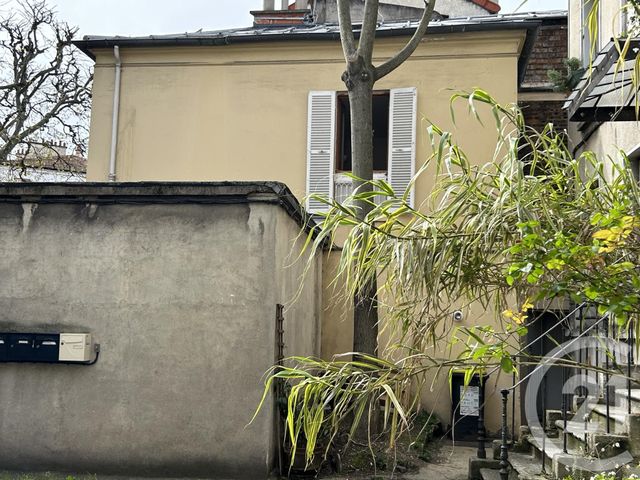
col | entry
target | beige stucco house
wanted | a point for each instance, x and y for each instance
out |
(267, 103)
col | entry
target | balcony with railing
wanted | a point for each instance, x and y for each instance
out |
(343, 186)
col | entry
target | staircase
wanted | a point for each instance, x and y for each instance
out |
(600, 432)
(589, 447)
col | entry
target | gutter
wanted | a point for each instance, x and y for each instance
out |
(90, 44)
(116, 114)
(525, 54)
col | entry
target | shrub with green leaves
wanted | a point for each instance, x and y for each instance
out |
(532, 225)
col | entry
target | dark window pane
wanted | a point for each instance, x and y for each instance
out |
(380, 132)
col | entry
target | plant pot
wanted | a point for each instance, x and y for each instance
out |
(299, 464)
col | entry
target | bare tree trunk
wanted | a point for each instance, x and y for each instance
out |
(360, 77)
(359, 81)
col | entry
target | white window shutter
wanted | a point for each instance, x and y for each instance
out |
(321, 143)
(402, 139)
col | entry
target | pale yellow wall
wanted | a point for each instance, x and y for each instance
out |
(337, 337)
(575, 25)
(240, 113)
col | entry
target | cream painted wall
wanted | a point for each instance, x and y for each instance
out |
(240, 113)
(612, 138)
(337, 337)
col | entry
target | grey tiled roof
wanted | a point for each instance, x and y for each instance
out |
(320, 31)
(606, 92)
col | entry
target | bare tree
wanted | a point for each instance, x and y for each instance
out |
(360, 77)
(45, 86)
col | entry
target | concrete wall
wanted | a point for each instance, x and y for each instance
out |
(609, 137)
(182, 299)
(326, 11)
(609, 140)
(453, 8)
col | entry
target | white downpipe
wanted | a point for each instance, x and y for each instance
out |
(116, 115)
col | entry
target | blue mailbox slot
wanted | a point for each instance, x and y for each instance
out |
(3, 348)
(20, 347)
(46, 348)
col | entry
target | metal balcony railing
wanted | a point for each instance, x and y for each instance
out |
(343, 186)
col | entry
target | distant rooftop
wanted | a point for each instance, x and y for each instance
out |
(318, 31)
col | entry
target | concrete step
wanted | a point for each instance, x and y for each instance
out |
(592, 439)
(527, 467)
(559, 465)
(618, 418)
(623, 399)
(552, 446)
(489, 474)
(579, 430)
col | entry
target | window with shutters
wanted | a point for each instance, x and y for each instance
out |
(329, 147)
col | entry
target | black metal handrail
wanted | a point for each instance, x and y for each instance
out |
(481, 450)
(504, 447)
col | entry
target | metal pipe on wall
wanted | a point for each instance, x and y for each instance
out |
(116, 114)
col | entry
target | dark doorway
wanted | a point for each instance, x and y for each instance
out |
(548, 395)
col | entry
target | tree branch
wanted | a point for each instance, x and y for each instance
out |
(346, 30)
(394, 62)
(44, 87)
(369, 24)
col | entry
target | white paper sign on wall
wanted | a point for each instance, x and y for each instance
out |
(469, 400)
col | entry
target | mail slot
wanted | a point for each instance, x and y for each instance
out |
(3, 348)
(20, 347)
(46, 347)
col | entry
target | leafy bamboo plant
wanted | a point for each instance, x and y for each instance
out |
(532, 225)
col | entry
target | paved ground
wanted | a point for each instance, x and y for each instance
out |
(452, 463)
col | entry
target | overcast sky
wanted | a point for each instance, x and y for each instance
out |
(142, 17)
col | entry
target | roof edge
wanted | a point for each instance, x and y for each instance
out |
(88, 44)
(141, 193)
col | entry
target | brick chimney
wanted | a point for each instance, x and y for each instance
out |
(296, 13)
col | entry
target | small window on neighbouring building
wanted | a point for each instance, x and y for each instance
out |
(380, 132)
